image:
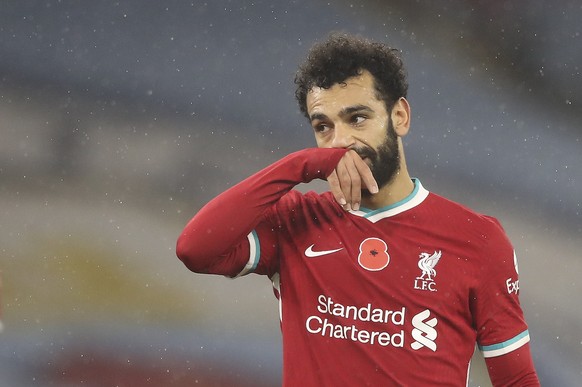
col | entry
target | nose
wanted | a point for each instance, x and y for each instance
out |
(342, 136)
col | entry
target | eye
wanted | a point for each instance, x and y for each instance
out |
(358, 119)
(321, 128)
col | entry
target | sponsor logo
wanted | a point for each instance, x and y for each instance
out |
(512, 286)
(344, 322)
(372, 324)
(310, 253)
(426, 264)
(424, 333)
(373, 254)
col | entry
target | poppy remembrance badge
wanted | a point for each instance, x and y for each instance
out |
(373, 254)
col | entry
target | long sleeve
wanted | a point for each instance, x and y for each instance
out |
(226, 220)
(513, 369)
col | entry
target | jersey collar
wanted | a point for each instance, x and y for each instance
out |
(414, 199)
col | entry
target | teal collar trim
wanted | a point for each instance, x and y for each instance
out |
(417, 196)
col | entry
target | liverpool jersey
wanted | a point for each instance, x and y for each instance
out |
(392, 296)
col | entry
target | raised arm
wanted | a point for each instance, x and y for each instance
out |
(226, 220)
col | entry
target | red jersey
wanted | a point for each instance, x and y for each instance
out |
(393, 296)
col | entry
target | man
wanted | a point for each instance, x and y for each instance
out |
(380, 282)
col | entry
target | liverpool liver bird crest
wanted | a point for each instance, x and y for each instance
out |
(426, 263)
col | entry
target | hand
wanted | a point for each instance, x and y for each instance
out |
(348, 178)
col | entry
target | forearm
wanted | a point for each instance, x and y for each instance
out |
(226, 220)
(513, 369)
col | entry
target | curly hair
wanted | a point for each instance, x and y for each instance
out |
(342, 56)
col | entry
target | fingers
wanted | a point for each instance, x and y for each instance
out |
(366, 175)
(336, 189)
(350, 183)
(347, 180)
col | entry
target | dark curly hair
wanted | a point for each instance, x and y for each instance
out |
(342, 56)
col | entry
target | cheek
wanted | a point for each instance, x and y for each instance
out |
(377, 141)
(321, 143)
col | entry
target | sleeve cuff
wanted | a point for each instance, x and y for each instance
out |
(254, 254)
(505, 347)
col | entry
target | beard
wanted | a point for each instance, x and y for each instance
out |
(384, 161)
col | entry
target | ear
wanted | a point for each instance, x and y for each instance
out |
(401, 117)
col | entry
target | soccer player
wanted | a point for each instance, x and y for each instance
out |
(380, 282)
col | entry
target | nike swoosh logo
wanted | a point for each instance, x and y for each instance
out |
(313, 254)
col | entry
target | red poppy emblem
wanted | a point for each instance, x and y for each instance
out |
(373, 254)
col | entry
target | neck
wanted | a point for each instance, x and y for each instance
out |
(396, 190)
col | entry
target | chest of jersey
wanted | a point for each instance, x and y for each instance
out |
(402, 287)
(384, 283)
(384, 258)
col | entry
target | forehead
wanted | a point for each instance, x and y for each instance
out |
(358, 90)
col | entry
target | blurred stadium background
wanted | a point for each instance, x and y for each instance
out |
(119, 119)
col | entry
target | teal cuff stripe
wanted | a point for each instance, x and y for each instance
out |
(257, 256)
(493, 347)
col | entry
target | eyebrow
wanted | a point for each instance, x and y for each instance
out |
(344, 112)
(354, 109)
